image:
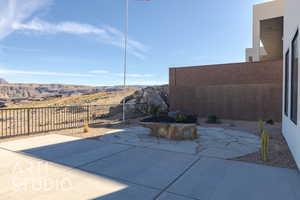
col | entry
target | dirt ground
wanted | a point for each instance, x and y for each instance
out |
(94, 130)
(279, 153)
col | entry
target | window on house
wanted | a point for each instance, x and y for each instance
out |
(294, 81)
(286, 80)
(250, 59)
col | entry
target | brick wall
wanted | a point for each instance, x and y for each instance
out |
(240, 91)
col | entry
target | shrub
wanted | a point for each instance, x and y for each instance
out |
(86, 128)
(212, 119)
(180, 118)
(261, 126)
(154, 111)
(191, 119)
(271, 122)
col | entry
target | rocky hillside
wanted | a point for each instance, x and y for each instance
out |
(139, 101)
(3, 81)
(20, 92)
(101, 98)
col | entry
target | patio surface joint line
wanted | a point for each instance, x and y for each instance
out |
(177, 178)
(182, 195)
(82, 165)
(118, 179)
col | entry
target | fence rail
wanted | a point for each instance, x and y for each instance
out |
(25, 121)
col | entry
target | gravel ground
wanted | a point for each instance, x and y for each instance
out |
(279, 153)
(94, 130)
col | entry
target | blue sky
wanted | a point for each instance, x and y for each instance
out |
(81, 42)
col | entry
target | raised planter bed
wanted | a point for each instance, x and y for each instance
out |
(172, 131)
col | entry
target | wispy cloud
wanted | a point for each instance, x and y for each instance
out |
(4, 47)
(136, 48)
(64, 27)
(99, 72)
(94, 73)
(17, 11)
(129, 75)
(42, 73)
(14, 16)
(105, 34)
(135, 75)
(145, 82)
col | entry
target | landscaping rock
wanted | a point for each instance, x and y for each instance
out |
(151, 97)
(2, 105)
(172, 131)
(143, 101)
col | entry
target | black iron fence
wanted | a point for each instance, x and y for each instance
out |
(25, 121)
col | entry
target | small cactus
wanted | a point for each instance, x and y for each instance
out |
(264, 146)
(261, 126)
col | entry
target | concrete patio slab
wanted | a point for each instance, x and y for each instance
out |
(216, 179)
(169, 196)
(18, 170)
(113, 171)
(50, 181)
(80, 185)
(69, 151)
(35, 142)
(147, 167)
(137, 136)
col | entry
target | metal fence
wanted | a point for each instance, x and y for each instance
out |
(25, 121)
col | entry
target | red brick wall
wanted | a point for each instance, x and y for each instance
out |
(240, 91)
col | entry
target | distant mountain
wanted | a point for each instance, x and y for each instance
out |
(26, 92)
(3, 81)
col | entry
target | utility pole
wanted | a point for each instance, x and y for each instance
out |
(125, 57)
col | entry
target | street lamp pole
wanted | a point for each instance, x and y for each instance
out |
(125, 57)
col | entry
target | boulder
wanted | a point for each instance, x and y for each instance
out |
(2, 104)
(150, 97)
(172, 131)
(142, 102)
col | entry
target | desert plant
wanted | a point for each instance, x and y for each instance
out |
(261, 126)
(180, 118)
(86, 128)
(154, 111)
(212, 119)
(270, 121)
(264, 146)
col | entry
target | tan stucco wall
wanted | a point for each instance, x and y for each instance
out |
(241, 91)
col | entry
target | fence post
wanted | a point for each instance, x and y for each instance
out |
(88, 114)
(28, 121)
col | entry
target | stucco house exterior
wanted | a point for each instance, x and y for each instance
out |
(267, 31)
(266, 86)
(276, 35)
(291, 85)
(250, 90)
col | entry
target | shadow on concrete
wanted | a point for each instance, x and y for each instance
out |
(92, 156)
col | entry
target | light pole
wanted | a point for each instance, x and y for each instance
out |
(125, 57)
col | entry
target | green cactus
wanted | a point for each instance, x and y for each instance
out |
(264, 146)
(261, 126)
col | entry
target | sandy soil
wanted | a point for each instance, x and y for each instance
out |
(279, 153)
(94, 130)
